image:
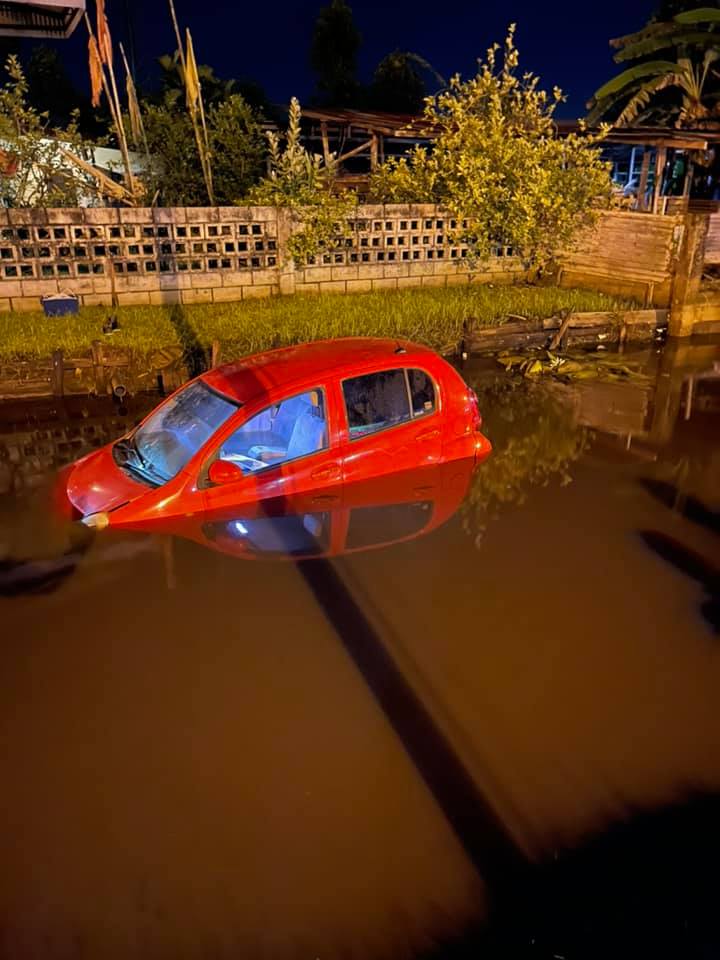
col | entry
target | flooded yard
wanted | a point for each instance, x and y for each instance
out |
(495, 735)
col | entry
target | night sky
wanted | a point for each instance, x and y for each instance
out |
(564, 41)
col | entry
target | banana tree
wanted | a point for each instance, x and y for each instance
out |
(693, 40)
(641, 84)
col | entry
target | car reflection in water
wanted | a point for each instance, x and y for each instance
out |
(362, 516)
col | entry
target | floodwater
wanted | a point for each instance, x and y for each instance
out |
(496, 738)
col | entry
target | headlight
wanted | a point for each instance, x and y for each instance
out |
(97, 521)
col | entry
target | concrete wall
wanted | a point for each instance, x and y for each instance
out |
(215, 254)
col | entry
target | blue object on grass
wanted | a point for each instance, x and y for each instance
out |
(59, 304)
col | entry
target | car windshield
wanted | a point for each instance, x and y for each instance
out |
(172, 435)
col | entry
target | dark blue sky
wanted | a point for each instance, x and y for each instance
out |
(564, 41)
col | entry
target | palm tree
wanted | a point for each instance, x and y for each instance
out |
(635, 92)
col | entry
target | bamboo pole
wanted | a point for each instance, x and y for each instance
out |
(114, 104)
(142, 125)
(202, 140)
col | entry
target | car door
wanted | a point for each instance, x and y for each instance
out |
(392, 422)
(286, 450)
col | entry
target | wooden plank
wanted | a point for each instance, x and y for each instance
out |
(642, 186)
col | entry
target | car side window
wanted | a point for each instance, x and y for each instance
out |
(284, 431)
(422, 393)
(376, 401)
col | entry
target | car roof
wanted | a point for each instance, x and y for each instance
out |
(245, 379)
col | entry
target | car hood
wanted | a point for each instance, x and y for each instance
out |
(96, 483)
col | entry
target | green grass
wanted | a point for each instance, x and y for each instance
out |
(430, 315)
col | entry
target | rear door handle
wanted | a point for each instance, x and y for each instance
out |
(331, 471)
(428, 434)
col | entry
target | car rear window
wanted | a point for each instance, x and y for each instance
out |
(422, 392)
(387, 398)
(376, 401)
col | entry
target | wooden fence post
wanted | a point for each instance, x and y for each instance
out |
(215, 354)
(688, 271)
(98, 367)
(58, 373)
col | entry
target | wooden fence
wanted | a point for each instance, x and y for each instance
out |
(627, 253)
(712, 241)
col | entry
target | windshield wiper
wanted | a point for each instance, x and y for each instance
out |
(136, 463)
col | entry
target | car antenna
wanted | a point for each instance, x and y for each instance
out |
(400, 348)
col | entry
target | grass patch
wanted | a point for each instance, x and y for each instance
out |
(431, 315)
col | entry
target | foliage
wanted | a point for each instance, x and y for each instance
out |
(398, 85)
(429, 315)
(236, 143)
(215, 90)
(43, 178)
(333, 54)
(497, 165)
(534, 440)
(302, 183)
(50, 89)
(682, 88)
(567, 367)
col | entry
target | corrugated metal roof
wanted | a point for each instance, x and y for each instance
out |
(53, 19)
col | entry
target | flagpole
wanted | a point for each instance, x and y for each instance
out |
(115, 112)
(142, 125)
(202, 142)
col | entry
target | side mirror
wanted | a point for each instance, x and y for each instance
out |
(224, 471)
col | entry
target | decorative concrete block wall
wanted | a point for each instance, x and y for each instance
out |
(214, 254)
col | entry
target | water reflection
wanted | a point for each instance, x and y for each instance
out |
(359, 752)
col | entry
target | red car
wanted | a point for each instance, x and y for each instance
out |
(284, 424)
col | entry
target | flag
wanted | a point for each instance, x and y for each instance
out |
(133, 111)
(192, 80)
(95, 64)
(103, 33)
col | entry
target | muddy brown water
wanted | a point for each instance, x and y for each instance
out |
(501, 738)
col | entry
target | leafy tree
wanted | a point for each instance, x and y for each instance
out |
(497, 166)
(333, 54)
(50, 89)
(36, 173)
(649, 79)
(681, 88)
(303, 184)
(237, 148)
(398, 84)
(214, 89)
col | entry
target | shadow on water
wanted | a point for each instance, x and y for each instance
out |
(645, 887)
(18, 577)
(476, 825)
(194, 356)
(693, 565)
(686, 505)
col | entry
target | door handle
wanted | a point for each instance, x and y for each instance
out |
(428, 434)
(326, 500)
(330, 471)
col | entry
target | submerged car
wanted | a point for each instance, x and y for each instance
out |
(288, 423)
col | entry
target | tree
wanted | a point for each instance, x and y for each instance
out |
(398, 85)
(303, 184)
(50, 89)
(649, 79)
(236, 144)
(497, 166)
(681, 88)
(333, 54)
(35, 171)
